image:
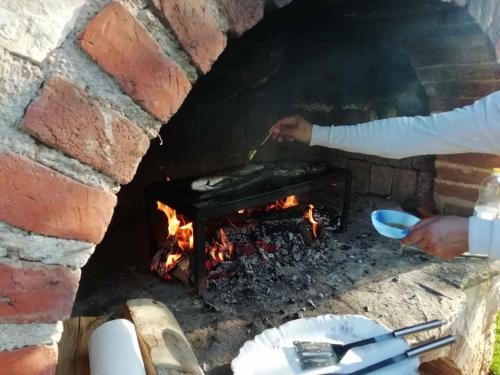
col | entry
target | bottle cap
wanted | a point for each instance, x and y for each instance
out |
(495, 171)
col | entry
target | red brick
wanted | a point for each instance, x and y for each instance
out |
(241, 15)
(454, 209)
(472, 160)
(456, 191)
(64, 117)
(33, 360)
(119, 43)
(462, 89)
(38, 199)
(463, 72)
(34, 292)
(444, 104)
(466, 176)
(195, 28)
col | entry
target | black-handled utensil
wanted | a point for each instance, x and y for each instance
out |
(253, 152)
(320, 354)
(448, 340)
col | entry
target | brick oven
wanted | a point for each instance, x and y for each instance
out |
(86, 87)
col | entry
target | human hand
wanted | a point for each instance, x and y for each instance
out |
(443, 236)
(292, 128)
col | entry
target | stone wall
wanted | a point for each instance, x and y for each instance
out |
(85, 84)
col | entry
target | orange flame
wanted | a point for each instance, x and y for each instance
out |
(291, 201)
(185, 237)
(182, 234)
(172, 260)
(283, 204)
(242, 211)
(309, 216)
(222, 250)
(173, 222)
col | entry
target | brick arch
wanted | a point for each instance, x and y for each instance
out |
(82, 106)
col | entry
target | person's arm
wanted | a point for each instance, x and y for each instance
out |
(484, 237)
(475, 128)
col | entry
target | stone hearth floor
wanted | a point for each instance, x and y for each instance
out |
(358, 272)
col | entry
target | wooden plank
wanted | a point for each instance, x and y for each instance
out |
(73, 347)
(164, 347)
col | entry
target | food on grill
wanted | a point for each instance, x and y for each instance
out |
(207, 183)
(232, 177)
(253, 173)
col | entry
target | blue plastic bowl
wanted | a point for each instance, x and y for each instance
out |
(382, 218)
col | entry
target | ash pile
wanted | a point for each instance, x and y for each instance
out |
(288, 259)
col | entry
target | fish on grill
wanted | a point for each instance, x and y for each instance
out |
(252, 174)
(221, 181)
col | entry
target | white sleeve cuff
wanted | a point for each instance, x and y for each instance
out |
(320, 136)
(484, 237)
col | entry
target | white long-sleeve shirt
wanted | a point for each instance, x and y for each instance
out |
(475, 128)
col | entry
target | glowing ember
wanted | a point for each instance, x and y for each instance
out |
(291, 201)
(180, 239)
(172, 260)
(309, 216)
(222, 250)
(283, 204)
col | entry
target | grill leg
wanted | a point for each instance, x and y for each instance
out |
(198, 255)
(347, 202)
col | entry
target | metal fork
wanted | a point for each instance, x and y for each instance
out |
(413, 352)
(320, 354)
(253, 152)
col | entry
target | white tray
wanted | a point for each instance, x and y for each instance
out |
(272, 352)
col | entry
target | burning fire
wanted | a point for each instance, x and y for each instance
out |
(181, 235)
(172, 260)
(222, 250)
(283, 204)
(182, 232)
(309, 216)
(180, 238)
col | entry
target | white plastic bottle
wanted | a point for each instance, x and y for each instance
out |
(488, 203)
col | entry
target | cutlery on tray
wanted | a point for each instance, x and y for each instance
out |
(321, 354)
(412, 352)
